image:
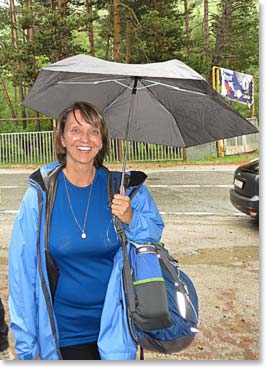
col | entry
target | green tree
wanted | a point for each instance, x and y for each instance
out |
(201, 33)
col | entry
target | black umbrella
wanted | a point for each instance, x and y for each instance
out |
(164, 103)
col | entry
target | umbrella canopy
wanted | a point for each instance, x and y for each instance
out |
(163, 103)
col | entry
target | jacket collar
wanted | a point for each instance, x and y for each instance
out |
(43, 175)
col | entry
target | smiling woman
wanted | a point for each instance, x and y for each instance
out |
(64, 244)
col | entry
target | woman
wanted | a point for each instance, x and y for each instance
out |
(64, 248)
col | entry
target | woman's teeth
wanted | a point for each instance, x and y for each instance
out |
(84, 149)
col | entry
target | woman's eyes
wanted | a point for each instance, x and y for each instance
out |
(75, 130)
(93, 132)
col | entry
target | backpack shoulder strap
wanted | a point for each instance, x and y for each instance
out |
(134, 179)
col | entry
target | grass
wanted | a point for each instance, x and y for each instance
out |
(231, 159)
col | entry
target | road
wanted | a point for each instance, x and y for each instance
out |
(215, 244)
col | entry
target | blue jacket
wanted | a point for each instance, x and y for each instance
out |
(32, 274)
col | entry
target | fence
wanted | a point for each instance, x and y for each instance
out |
(236, 145)
(244, 143)
(26, 148)
(38, 147)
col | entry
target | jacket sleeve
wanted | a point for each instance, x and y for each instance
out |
(22, 274)
(115, 341)
(146, 224)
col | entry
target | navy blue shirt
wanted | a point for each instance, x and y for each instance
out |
(85, 265)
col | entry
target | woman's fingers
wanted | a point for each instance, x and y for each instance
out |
(121, 208)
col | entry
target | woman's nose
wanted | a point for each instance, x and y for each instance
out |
(85, 136)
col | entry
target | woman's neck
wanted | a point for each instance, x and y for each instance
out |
(80, 176)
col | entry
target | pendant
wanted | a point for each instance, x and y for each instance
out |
(83, 235)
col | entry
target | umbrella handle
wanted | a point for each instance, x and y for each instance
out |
(131, 108)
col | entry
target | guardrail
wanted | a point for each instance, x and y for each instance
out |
(38, 148)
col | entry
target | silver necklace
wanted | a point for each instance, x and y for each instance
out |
(83, 233)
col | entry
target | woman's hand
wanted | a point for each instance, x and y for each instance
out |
(121, 207)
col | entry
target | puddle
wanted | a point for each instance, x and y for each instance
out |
(233, 256)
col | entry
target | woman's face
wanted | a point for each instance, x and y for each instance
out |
(81, 140)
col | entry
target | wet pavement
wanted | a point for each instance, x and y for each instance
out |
(215, 244)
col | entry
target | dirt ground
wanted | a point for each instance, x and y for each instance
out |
(226, 275)
(227, 282)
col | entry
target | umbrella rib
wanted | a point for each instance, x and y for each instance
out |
(117, 81)
(172, 87)
(115, 99)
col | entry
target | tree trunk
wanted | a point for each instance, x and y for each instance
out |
(16, 47)
(117, 30)
(90, 28)
(62, 6)
(23, 112)
(128, 40)
(52, 4)
(29, 30)
(14, 24)
(63, 51)
(37, 122)
(109, 30)
(206, 30)
(187, 28)
(15, 99)
(7, 98)
(223, 32)
(30, 40)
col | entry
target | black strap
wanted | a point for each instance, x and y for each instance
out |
(165, 259)
(135, 180)
(180, 285)
(113, 187)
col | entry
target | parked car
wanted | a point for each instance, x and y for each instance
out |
(245, 194)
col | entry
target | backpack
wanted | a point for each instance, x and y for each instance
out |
(162, 302)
